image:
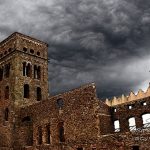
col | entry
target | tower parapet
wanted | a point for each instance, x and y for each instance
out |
(129, 98)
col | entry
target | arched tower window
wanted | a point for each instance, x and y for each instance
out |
(132, 124)
(6, 114)
(38, 93)
(61, 132)
(26, 91)
(24, 68)
(27, 69)
(7, 92)
(37, 72)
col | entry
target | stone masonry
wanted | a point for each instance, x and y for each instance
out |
(30, 119)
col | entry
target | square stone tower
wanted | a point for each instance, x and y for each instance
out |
(23, 70)
(23, 79)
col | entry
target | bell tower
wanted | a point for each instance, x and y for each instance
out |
(23, 70)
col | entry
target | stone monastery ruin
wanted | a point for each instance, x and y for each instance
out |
(30, 119)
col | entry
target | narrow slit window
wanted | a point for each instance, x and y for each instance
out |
(1, 74)
(7, 92)
(7, 70)
(26, 91)
(28, 70)
(39, 135)
(48, 134)
(35, 72)
(38, 93)
(6, 114)
(61, 132)
(24, 68)
(38, 72)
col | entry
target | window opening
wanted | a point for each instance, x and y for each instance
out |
(38, 93)
(146, 120)
(9, 50)
(132, 124)
(37, 72)
(144, 103)
(26, 119)
(48, 134)
(61, 132)
(31, 51)
(25, 49)
(7, 70)
(135, 147)
(1, 74)
(6, 114)
(38, 53)
(117, 126)
(39, 135)
(7, 92)
(28, 70)
(26, 91)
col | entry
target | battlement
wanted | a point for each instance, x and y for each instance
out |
(129, 98)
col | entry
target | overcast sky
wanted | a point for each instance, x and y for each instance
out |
(101, 41)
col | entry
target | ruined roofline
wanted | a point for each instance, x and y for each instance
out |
(75, 89)
(129, 98)
(15, 34)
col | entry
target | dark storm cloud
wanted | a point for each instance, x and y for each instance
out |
(102, 41)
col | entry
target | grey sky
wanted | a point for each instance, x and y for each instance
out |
(101, 41)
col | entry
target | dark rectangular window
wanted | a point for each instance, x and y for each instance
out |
(39, 135)
(7, 70)
(135, 148)
(1, 74)
(38, 93)
(48, 134)
(26, 91)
